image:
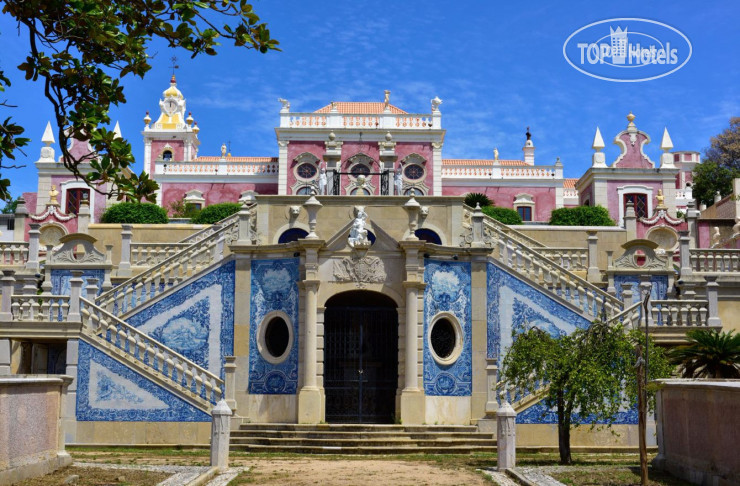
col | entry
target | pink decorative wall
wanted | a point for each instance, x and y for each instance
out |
(633, 158)
(544, 197)
(297, 148)
(349, 150)
(614, 199)
(178, 151)
(404, 149)
(213, 193)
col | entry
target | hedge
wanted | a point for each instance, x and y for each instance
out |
(135, 213)
(581, 216)
(215, 213)
(504, 215)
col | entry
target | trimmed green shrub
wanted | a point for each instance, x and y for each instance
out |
(581, 216)
(215, 213)
(504, 215)
(135, 213)
(478, 198)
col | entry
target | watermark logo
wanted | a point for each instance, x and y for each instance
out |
(627, 50)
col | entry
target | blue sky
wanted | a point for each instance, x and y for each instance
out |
(498, 67)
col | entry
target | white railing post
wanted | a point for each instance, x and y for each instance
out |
(685, 253)
(220, 435)
(506, 436)
(630, 221)
(34, 234)
(593, 275)
(21, 213)
(245, 223)
(230, 382)
(83, 217)
(627, 294)
(692, 217)
(492, 381)
(91, 289)
(124, 265)
(75, 292)
(7, 283)
(712, 304)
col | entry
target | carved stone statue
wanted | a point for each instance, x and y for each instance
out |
(495, 153)
(435, 103)
(322, 181)
(736, 227)
(387, 100)
(358, 233)
(53, 193)
(716, 236)
(285, 103)
(361, 184)
(398, 181)
(223, 150)
(661, 200)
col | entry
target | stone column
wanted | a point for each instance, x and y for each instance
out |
(506, 437)
(491, 382)
(412, 397)
(230, 381)
(692, 218)
(83, 217)
(75, 292)
(309, 398)
(91, 289)
(4, 357)
(245, 226)
(630, 221)
(63, 412)
(685, 253)
(220, 435)
(6, 284)
(712, 287)
(34, 235)
(69, 419)
(124, 266)
(21, 213)
(610, 289)
(593, 275)
(411, 379)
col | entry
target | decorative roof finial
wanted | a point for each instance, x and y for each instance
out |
(631, 118)
(598, 143)
(48, 137)
(117, 131)
(387, 100)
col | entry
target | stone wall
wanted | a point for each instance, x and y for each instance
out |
(31, 442)
(697, 430)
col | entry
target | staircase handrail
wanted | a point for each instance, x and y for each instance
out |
(137, 282)
(199, 235)
(587, 286)
(175, 367)
(625, 315)
(515, 233)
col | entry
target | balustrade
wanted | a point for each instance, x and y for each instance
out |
(714, 260)
(13, 253)
(39, 308)
(680, 313)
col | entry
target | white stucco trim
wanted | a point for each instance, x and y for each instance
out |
(261, 330)
(65, 186)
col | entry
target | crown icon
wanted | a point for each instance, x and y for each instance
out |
(618, 44)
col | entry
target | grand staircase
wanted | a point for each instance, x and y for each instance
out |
(361, 439)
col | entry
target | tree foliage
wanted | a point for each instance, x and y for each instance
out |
(474, 198)
(581, 216)
(590, 373)
(720, 166)
(81, 49)
(708, 354)
(504, 215)
(216, 212)
(135, 213)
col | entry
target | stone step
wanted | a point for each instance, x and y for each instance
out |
(384, 442)
(308, 434)
(360, 427)
(390, 450)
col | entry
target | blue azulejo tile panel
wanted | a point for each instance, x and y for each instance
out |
(514, 306)
(197, 320)
(110, 391)
(448, 290)
(60, 280)
(274, 287)
(657, 292)
(540, 413)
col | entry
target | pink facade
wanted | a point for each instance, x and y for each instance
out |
(615, 199)
(632, 157)
(214, 193)
(158, 146)
(295, 149)
(504, 196)
(424, 150)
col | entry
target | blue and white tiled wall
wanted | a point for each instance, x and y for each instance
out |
(274, 287)
(110, 391)
(657, 292)
(448, 289)
(196, 320)
(60, 280)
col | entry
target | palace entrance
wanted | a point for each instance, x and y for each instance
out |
(360, 358)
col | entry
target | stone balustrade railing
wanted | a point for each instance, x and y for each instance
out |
(210, 229)
(13, 253)
(714, 260)
(629, 317)
(222, 168)
(168, 273)
(570, 193)
(148, 254)
(680, 313)
(521, 399)
(39, 308)
(540, 172)
(135, 346)
(569, 258)
(406, 121)
(513, 233)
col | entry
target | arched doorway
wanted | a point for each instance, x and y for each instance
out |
(360, 358)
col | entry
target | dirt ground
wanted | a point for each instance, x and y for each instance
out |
(98, 477)
(346, 472)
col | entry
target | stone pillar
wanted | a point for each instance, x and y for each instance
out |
(692, 218)
(21, 213)
(69, 418)
(83, 217)
(412, 397)
(6, 284)
(220, 435)
(630, 221)
(645, 288)
(411, 379)
(124, 266)
(309, 398)
(230, 381)
(684, 241)
(107, 284)
(593, 275)
(91, 289)
(4, 357)
(245, 226)
(506, 437)
(610, 289)
(477, 219)
(75, 292)
(34, 235)
(491, 382)
(712, 287)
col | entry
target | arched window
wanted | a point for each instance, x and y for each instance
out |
(428, 235)
(292, 234)
(167, 155)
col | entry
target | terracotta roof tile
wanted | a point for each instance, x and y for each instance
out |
(209, 158)
(360, 108)
(569, 183)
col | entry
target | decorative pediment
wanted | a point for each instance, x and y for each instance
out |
(632, 142)
(68, 252)
(641, 255)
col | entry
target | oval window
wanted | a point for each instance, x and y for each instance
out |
(443, 338)
(306, 171)
(277, 337)
(413, 172)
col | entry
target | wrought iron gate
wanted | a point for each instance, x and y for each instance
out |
(360, 364)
